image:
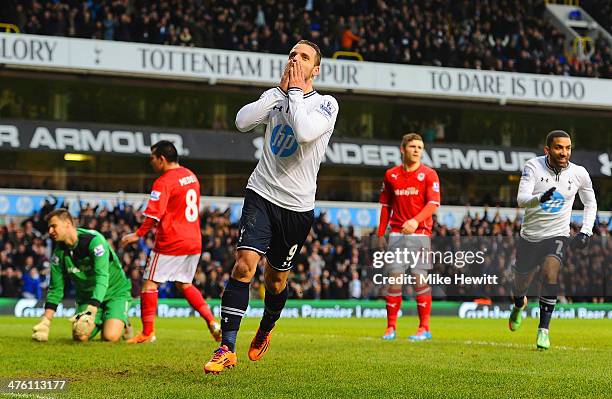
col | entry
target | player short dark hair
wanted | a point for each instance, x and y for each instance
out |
(61, 213)
(409, 137)
(316, 49)
(166, 149)
(550, 137)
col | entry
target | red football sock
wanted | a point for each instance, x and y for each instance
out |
(196, 300)
(394, 303)
(423, 300)
(148, 310)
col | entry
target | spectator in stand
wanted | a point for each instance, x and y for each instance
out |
(185, 38)
(109, 27)
(31, 284)
(348, 38)
(11, 282)
(355, 286)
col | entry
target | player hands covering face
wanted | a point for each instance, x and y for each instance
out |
(278, 209)
(301, 69)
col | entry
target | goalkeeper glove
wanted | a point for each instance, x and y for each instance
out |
(547, 195)
(40, 332)
(84, 323)
(580, 241)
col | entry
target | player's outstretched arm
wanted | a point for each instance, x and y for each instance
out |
(144, 228)
(256, 113)
(156, 208)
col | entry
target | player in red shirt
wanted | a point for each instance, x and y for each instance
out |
(409, 197)
(174, 210)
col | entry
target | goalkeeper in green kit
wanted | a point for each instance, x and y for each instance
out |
(102, 289)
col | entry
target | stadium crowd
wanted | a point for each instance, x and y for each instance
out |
(490, 35)
(335, 262)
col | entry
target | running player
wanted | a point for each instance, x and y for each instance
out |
(174, 210)
(277, 213)
(547, 190)
(102, 289)
(409, 197)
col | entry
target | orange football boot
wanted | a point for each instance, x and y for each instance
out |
(142, 339)
(259, 345)
(222, 359)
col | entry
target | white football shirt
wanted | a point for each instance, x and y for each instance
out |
(552, 218)
(298, 129)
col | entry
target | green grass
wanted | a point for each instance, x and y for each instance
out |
(324, 358)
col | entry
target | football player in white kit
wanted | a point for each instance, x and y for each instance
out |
(547, 191)
(278, 209)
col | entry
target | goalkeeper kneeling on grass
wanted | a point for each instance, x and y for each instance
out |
(102, 289)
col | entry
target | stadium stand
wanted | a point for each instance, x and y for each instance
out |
(601, 10)
(489, 35)
(332, 265)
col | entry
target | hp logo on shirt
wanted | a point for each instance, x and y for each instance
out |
(283, 142)
(554, 204)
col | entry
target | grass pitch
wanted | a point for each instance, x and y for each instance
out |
(323, 358)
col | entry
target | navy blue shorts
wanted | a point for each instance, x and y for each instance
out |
(531, 254)
(270, 230)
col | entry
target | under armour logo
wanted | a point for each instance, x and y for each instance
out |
(225, 319)
(280, 108)
(606, 164)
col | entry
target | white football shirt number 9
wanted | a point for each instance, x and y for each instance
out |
(191, 211)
